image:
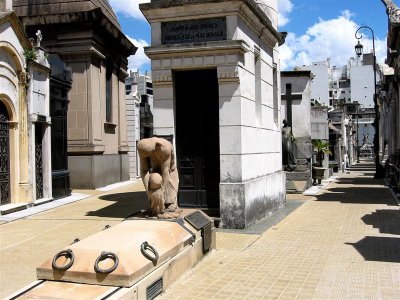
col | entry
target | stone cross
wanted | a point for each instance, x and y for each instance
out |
(289, 97)
(39, 38)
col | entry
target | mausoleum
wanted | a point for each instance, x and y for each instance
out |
(296, 109)
(215, 67)
(25, 124)
(87, 37)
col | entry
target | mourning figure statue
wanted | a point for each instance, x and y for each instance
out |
(160, 177)
(288, 159)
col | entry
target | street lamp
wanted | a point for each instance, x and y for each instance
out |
(358, 144)
(359, 49)
(380, 171)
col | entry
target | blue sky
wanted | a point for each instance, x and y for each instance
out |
(317, 29)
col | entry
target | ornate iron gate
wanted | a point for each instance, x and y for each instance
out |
(4, 156)
(39, 160)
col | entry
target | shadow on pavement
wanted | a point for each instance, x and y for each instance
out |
(125, 204)
(358, 195)
(366, 189)
(359, 181)
(386, 220)
(373, 248)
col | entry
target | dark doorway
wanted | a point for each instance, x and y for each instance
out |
(4, 156)
(39, 160)
(197, 138)
(60, 84)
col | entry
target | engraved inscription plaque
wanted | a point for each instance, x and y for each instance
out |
(198, 219)
(193, 31)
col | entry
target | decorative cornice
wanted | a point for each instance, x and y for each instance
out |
(95, 16)
(223, 47)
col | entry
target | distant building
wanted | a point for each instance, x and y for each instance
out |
(350, 91)
(333, 86)
(139, 117)
(320, 84)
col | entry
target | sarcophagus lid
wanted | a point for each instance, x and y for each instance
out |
(117, 256)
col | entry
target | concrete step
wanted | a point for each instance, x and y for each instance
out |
(298, 175)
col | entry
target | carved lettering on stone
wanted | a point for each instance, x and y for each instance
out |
(193, 31)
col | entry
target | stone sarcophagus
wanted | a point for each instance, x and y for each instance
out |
(136, 259)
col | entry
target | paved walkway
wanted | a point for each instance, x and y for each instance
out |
(28, 242)
(341, 243)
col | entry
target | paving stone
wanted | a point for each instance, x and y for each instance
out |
(322, 250)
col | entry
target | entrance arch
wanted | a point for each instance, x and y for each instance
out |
(5, 194)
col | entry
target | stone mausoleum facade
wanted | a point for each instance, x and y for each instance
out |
(87, 37)
(296, 109)
(215, 67)
(25, 123)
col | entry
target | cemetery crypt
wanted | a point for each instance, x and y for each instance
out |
(215, 67)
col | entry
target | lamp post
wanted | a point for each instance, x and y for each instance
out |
(358, 143)
(379, 172)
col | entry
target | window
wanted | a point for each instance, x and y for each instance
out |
(275, 95)
(257, 82)
(109, 67)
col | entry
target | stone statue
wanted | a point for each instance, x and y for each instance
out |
(39, 38)
(160, 177)
(288, 159)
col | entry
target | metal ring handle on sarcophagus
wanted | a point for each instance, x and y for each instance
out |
(103, 256)
(68, 254)
(143, 249)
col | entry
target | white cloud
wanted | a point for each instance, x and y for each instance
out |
(285, 7)
(332, 39)
(129, 8)
(138, 60)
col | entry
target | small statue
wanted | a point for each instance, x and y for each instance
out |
(288, 160)
(366, 140)
(160, 177)
(39, 38)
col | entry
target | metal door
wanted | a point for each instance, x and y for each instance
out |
(4, 156)
(39, 160)
(197, 138)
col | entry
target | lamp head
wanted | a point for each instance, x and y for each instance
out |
(359, 49)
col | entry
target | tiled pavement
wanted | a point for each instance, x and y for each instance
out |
(341, 244)
(28, 242)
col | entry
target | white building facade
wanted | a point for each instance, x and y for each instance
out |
(215, 67)
(25, 123)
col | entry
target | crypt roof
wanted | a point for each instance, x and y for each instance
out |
(31, 8)
(9, 16)
(97, 12)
